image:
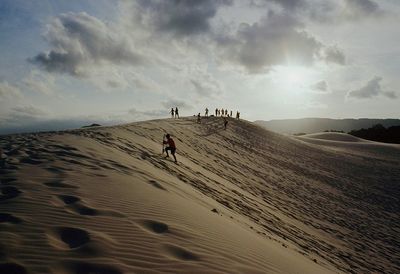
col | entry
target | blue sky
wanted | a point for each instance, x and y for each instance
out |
(69, 63)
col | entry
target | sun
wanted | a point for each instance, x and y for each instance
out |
(293, 76)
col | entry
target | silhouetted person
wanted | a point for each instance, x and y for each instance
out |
(238, 115)
(216, 112)
(172, 112)
(206, 112)
(198, 118)
(226, 112)
(171, 146)
(225, 123)
(231, 114)
(222, 112)
(176, 112)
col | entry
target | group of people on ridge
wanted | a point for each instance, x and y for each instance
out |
(224, 113)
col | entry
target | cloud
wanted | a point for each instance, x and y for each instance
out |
(277, 39)
(371, 89)
(79, 41)
(181, 18)
(40, 82)
(362, 8)
(9, 92)
(20, 116)
(320, 87)
(175, 103)
(29, 110)
(148, 114)
(334, 55)
(204, 84)
(327, 11)
(286, 4)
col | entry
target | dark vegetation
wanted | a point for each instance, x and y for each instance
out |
(379, 133)
(334, 130)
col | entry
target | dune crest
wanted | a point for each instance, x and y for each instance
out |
(241, 200)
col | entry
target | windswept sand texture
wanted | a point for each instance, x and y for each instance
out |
(244, 200)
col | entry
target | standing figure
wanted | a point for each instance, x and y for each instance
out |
(216, 112)
(231, 114)
(198, 118)
(176, 112)
(225, 122)
(206, 112)
(171, 146)
(172, 112)
(226, 112)
(222, 112)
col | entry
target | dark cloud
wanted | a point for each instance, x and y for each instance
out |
(287, 4)
(79, 40)
(362, 8)
(180, 17)
(328, 11)
(371, 89)
(321, 87)
(277, 39)
(334, 55)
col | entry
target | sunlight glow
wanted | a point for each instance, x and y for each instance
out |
(294, 78)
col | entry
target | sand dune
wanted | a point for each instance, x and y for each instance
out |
(334, 136)
(241, 200)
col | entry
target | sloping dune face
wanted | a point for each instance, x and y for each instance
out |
(241, 200)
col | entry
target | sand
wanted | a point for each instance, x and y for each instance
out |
(241, 200)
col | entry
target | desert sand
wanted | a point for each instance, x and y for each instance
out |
(241, 200)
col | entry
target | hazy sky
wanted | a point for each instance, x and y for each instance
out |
(69, 62)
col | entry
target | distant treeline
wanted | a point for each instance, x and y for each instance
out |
(379, 133)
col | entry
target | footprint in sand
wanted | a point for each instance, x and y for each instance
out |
(31, 161)
(75, 205)
(9, 218)
(9, 192)
(72, 237)
(83, 210)
(157, 185)
(7, 181)
(12, 268)
(180, 253)
(78, 267)
(154, 226)
(59, 184)
(68, 199)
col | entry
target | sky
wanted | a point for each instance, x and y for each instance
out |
(68, 63)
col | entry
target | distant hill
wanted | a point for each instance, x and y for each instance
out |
(313, 125)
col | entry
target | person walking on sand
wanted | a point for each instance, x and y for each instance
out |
(198, 118)
(176, 112)
(206, 112)
(225, 122)
(226, 112)
(172, 112)
(216, 112)
(171, 146)
(222, 112)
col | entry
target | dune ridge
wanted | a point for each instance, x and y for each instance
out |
(241, 200)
